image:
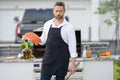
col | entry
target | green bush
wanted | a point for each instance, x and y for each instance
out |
(117, 69)
(117, 61)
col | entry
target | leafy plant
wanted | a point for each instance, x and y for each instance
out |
(117, 62)
(111, 7)
(23, 45)
(117, 69)
(30, 46)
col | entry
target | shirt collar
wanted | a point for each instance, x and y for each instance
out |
(62, 24)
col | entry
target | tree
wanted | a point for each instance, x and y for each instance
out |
(113, 8)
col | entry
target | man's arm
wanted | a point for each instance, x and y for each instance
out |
(73, 65)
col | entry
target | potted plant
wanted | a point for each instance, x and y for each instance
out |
(26, 47)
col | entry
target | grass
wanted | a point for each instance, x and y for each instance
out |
(116, 72)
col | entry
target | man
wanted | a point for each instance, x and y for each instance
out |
(59, 37)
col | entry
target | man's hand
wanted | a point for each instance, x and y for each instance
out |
(73, 66)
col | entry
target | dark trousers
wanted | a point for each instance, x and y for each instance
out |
(48, 77)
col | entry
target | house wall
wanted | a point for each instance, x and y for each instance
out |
(77, 11)
(80, 13)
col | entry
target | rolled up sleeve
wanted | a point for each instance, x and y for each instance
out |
(72, 42)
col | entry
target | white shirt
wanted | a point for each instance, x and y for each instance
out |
(67, 33)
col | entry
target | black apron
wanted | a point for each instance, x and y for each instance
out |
(56, 57)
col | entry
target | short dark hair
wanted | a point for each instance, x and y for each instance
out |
(60, 3)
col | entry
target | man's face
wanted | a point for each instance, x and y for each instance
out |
(58, 12)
